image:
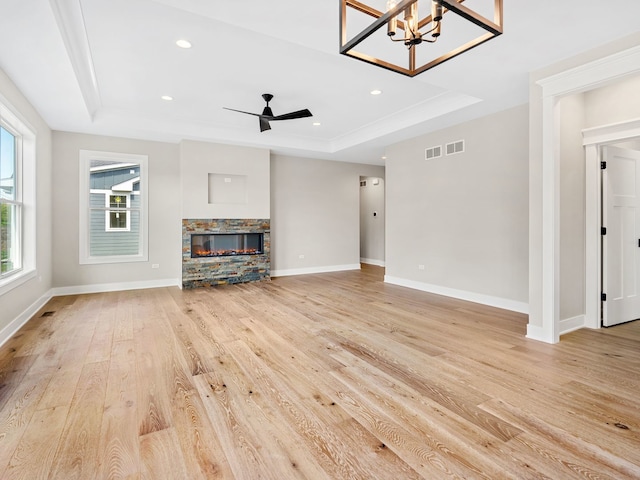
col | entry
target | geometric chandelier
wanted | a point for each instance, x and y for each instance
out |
(411, 44)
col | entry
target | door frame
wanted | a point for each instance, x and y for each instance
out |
(544, 269)
(593, 140)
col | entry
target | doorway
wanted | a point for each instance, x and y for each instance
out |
(372, 220)
(625, 135)
(600, 69)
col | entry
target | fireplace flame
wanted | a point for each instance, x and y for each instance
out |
(226, 244)
(202, 252)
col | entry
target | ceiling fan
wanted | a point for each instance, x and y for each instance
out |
(267, 115)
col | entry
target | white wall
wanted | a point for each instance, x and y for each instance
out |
(199, 159)
(614, 103)
(19, 303)
(463, 216)
(315, 212)
(572, 206)
(372, 200)
(165, 235)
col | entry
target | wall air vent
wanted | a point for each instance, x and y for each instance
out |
(455, 147)
(432, 152)
(363, 183)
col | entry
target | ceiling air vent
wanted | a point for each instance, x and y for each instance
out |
(455, 147)
(433, 152)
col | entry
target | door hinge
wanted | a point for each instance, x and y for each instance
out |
(603, 297)
(603, 230)
(603, 165)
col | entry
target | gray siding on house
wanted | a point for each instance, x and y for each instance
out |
(104, 180)
(103, 242)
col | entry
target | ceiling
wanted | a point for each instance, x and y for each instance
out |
(101, 67)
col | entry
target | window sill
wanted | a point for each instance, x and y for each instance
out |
(15, 280)
(114, 259)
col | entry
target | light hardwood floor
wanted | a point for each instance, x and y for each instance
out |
(334, 376)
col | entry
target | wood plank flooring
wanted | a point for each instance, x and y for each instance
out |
(330, 376)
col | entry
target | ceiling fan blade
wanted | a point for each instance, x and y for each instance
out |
(293, 115)
(264, 124)
(242, 111)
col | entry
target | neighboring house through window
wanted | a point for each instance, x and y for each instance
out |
(113, 207)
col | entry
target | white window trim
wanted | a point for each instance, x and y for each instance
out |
(109, 209)
(85, 162)
(26, 173)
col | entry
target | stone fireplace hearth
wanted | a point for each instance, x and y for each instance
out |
(206, 271)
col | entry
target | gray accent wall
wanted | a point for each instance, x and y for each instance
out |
(463, 217)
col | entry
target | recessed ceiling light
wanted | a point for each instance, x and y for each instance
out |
(183, 43)
(384, 157)
(316, 124)
(376, 92)
(166, 97)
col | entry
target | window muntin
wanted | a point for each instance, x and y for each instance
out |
(113, 203)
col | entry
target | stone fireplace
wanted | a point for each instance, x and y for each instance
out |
(224, 251)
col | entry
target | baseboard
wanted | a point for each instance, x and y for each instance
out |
(497, 302)
(371, 261)
(7, 332)
(115, 287)
(570, 324)
(309, 270)
(535, 332)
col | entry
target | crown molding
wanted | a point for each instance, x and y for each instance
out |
(592, 74)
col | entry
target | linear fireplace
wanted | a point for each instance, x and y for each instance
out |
(224, 244)
(223, 251)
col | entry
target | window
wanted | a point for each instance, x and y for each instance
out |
(113, 207)
(117, 216)
(10, 202)
(17, 199)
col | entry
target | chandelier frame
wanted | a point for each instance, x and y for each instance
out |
(493, 28)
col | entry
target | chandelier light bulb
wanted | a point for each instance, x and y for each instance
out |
(392, 25)
(436, 17)
(411, 19)
(436, 11)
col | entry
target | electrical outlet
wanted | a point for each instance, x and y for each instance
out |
(420, 267)
(155, 265)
